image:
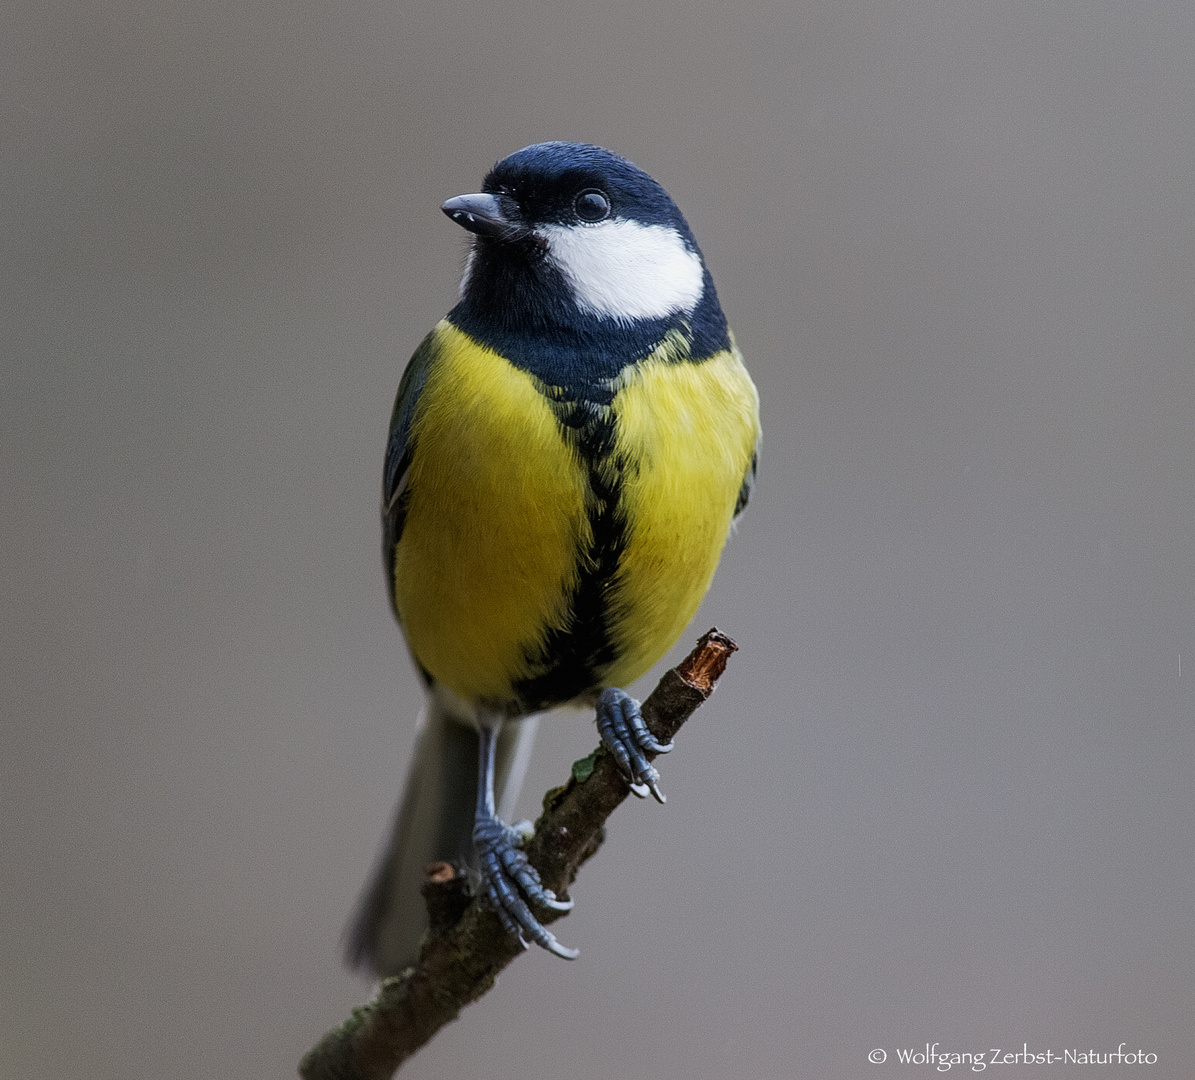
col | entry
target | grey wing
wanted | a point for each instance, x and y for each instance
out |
(399, 452)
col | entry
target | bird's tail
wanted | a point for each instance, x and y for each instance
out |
(434, 822)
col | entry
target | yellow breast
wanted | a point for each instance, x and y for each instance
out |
(497, 533)
(487, 558)
(687, 432)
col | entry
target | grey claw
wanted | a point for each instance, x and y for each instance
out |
(512, 885)
(625, 735)
(554, 946)
(549, 900)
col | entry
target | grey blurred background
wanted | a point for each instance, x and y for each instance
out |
(944, 793)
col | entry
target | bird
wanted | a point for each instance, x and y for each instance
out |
(567, 452)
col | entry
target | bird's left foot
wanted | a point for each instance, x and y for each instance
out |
(625, 735)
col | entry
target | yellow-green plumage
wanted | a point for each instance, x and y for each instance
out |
(496, 531)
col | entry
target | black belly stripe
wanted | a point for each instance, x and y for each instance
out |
(572, 658)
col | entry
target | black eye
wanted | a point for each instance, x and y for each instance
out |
(592, 205)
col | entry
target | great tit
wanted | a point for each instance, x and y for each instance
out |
(567, 451)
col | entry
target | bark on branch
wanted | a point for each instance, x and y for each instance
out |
(466, 946)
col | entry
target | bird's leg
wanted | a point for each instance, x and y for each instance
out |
(625, 735)
(509, 882)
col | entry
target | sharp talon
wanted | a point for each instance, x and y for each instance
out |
(550, 901)
(659, 795)
(638, 789)
(663, 748)
(554, 946)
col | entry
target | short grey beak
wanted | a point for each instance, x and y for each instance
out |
(481, 214)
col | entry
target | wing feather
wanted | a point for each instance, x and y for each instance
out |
(399, 454)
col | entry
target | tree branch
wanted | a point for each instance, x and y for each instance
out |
(466, 946)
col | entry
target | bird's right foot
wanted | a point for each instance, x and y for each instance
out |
(511, 884)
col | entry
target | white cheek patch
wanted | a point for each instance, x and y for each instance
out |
(623, 270)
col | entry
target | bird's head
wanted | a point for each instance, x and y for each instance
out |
(568, 230)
